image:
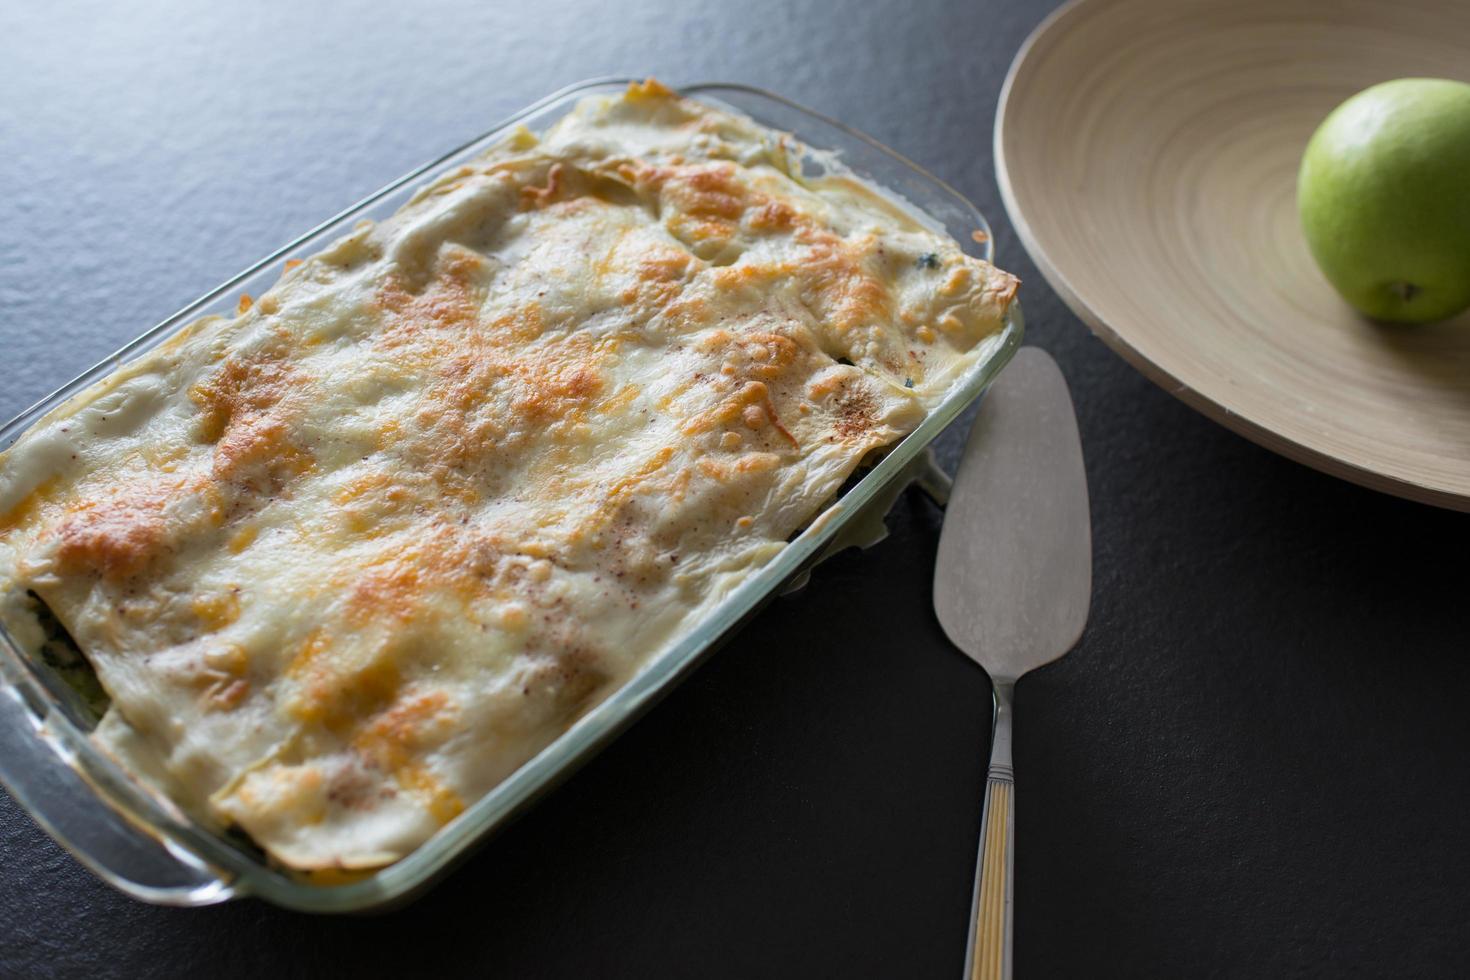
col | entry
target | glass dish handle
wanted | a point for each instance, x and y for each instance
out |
(35, 768)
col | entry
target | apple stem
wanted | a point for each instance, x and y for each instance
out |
(1405, 290)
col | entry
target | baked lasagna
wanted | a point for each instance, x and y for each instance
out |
(345, 560)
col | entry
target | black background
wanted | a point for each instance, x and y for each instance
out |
(1253, 764)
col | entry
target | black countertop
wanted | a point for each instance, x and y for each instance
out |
(1254, 764)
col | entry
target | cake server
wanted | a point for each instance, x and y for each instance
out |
(1012, 587)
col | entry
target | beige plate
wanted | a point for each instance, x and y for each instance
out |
(1147, 153)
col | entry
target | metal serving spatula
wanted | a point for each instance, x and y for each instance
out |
(1012, 587)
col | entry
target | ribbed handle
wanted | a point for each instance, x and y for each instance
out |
(991, 956)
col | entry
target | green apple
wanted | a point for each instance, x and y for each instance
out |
(1384, 196)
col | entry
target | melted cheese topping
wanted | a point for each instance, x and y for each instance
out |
(345, 561)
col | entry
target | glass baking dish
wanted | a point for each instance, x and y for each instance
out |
(147, 847)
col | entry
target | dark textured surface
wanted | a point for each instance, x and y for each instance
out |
(1253, 764)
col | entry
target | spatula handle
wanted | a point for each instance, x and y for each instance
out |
(989, 955)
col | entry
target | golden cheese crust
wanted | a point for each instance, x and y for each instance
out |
(346, 560)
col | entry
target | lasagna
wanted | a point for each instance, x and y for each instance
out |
(345, 560)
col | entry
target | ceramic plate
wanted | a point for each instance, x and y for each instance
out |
(1147, 152)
